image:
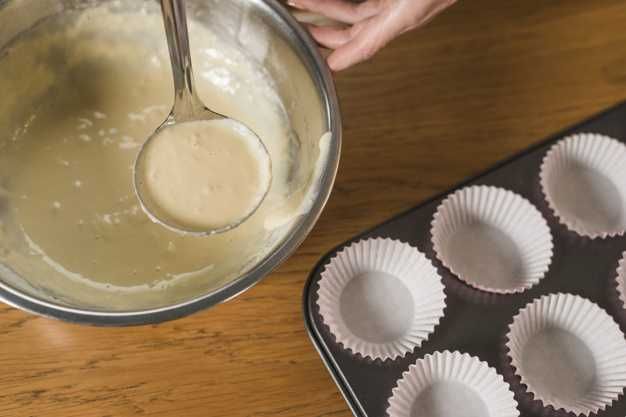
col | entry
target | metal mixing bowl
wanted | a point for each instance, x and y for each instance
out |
(270, 34)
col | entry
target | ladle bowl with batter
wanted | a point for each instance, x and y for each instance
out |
(201, 172)
(83, 84)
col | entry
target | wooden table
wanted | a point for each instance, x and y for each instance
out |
(483, 81)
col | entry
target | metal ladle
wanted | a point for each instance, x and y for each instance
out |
(187, 108)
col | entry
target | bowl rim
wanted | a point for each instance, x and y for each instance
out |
(318, 69)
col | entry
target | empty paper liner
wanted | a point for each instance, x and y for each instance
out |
(492, 239)
(569, 353)
(380, 298)
(617, 293)
(583, 178)
(448, 384)
(621, 280)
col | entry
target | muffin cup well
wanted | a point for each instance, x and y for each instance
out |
(492, 239)
(442, 384)
(380, 298)
(568, 353)
(583, 178)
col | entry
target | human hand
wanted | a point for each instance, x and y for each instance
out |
(372, 24)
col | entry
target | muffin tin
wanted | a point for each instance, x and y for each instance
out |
(575, 269)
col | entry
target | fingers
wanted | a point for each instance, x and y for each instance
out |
(429, 14)
(344, 11)
(369, 40)
(351, 54)
(331, 37)
(374, 24)
(377, 31)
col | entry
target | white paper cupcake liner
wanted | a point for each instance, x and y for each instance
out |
(380, 298)
(492, 239)
(583, 178)
(448, 384)
(617, 293)
(621, 280)
(569, 353)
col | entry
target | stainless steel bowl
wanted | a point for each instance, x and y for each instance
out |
(305, 86)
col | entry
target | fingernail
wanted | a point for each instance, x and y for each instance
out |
(295, 4)
(331, 64)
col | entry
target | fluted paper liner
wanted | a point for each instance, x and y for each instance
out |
(617, 293)
(492, 239)
(583, 178)
(621, 280)
(380, 298)
(450, 384)
(569, 353)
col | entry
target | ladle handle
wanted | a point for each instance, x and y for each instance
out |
(186, 102)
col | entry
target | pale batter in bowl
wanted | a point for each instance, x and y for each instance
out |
(81, 91)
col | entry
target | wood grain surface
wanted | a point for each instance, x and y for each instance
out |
(486, 79)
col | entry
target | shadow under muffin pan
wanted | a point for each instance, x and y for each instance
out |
(476, 322)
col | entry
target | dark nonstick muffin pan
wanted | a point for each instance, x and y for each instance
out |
(476, 321)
